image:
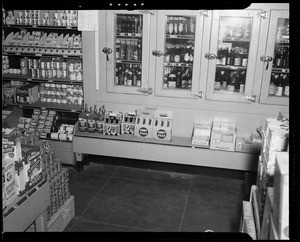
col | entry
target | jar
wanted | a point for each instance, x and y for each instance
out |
(69, 98)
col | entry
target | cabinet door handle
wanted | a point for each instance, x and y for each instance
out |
(147, 91)
(157, 53)
(265, 58)
(210, 56)
(250, 98)
(197, 94)
(107, 51)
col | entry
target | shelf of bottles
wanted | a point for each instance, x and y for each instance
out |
(179, 52)
(128, 45)
(279, 83)
(232, 55)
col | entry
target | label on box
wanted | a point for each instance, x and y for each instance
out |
(8, 180)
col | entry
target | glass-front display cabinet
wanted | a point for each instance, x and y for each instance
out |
(232, 55)
(275, 85)
(126, 51)
(177, 53)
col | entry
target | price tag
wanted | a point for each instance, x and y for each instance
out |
(29, 79)
(73, 111)
(129, 34)
(65, 56)
(38, 54)
(34, 26)
(50, 80)
(17, 53)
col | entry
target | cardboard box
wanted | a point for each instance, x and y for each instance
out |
(62, 217)
(144, 123)
(244, 144)
(20, 177)
(248, 223)
(223, 136)
(281, 195)
(33, 164)
(162, 125)
(201, 134)
(11, 147)
(8, 180)
(128, 123)
(112, 125)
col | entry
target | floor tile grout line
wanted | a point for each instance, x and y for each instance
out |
(98, 192)
(186, 202)
(118, 225)
(76, 220)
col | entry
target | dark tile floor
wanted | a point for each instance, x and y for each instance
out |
(114, 196)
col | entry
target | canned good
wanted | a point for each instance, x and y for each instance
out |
(49, 213)
(53, 208)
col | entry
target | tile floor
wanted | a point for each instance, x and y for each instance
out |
(111, 196)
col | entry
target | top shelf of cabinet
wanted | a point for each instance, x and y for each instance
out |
(39, 27)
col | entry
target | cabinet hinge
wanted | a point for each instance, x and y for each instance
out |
(203, 12)
(262, 14)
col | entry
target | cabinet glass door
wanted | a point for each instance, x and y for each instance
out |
(177, 46)
(127, 71)
(232, 55)
(275, 88)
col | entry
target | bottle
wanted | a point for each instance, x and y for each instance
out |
(224, 57)
(223, 79)
(244, 59)
(82, 119)
(192, 26)
(172, 80)
(177, 55)
(242, 81)
(237, 59)
(180, 26)
(100, 120)
(228, 59)
(170, 26)
(279, 57)
(287, 86)
(184, 81)
(284, 57)
(179, 77)
(129, 49)
(217, 85)
(231, 82)
(136, 23)
(279, 89)
(117, 49)
(272, 87)
(91, 121)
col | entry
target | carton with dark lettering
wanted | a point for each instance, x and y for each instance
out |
(33, 163)
(8, 180)
(144, 123)
(128, 123)
(162, 125)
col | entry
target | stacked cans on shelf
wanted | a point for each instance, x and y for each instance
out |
(56, 68)
(5, 66)
(59, 189)
(61, 93)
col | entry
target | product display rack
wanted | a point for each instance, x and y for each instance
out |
(175, 151)
(48, 57)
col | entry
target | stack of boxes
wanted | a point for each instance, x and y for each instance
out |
(274, 143)
(27, 94)
(250, 144)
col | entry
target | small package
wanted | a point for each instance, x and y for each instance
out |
(246, 145)
(162, 126)
(223, 136)
(112, 125)
(128, 123)
(201, 134)
(144, 123)
(11, 146)
(33, 163)
(8, 180)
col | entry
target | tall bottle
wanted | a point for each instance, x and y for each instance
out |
(91, 121)
(100, 120)
(287, 86)
(82, 119)
(279, 89)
